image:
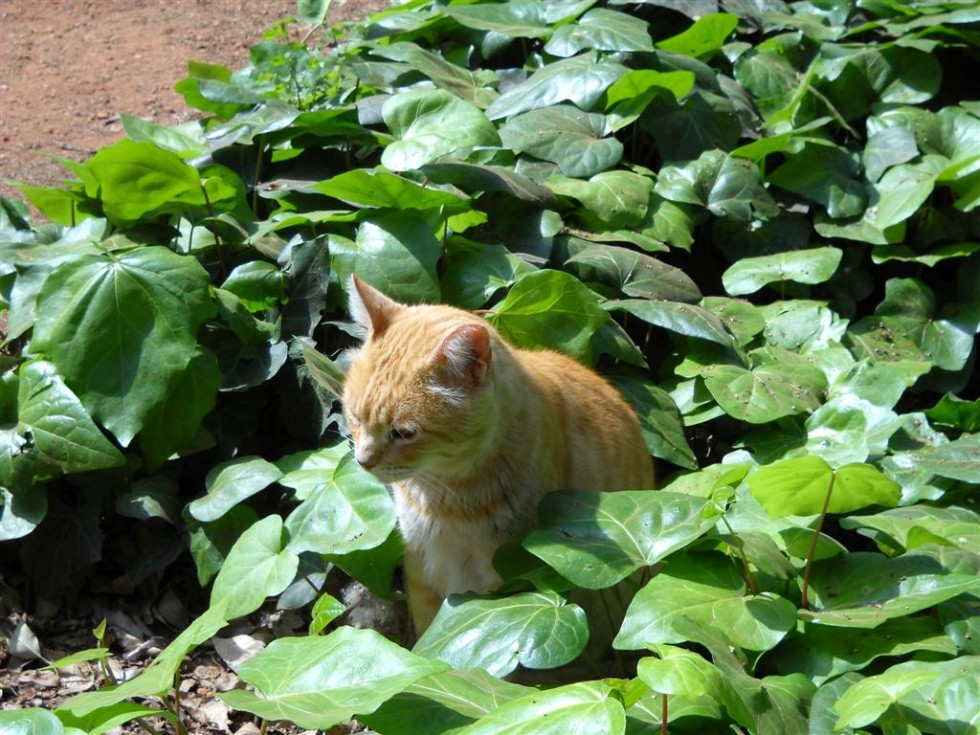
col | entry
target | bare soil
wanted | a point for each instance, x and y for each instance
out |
(68, 69)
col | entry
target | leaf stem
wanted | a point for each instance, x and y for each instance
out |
(805, 602)
(740, 549)
(663, 714)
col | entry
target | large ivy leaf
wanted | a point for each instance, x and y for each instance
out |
(959, 460)
(703, 38)
(136, 179)
(451, 77)
(231, 482)
(550, 309)
(704, 588)
(585, 706)
(121, 328)
(726, 186)
(903, 189)
(580, 80)
(475, 272)
(628, 97)
(822, 652)
(601, 30)
(863, 590)
(521, 21)
(317, 681)
(259, 565)
(431, 124)
(811, 266)
(677, 671)
(614, 198)
(903, 527)
(538, 630)
(348, 510)
(597, 539)
(636, 274)
(444, 703)
(660, 420)
(801, 487)
(378, 188)
(686, 319)
(395, 252)
(826, 175)
(764, 393)
(917, 694)
(56, 425)
(574, 140)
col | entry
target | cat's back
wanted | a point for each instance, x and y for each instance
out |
(598, 430)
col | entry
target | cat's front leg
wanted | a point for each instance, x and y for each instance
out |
(423, 601)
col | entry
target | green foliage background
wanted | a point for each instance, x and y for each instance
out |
(759, 219)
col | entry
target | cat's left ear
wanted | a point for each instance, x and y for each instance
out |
(370, 309)
(465, 352)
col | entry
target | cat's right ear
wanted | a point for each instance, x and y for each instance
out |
(371, 310)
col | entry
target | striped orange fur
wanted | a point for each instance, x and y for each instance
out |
(470, 432)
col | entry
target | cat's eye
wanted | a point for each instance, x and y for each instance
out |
(402, 433)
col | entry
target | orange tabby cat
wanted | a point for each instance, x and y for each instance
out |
(470, 432)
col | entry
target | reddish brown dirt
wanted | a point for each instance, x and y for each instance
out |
(68, 68)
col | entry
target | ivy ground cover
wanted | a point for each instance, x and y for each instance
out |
(758, 219)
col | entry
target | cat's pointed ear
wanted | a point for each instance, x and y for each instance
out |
(465, 352)
(371, 310)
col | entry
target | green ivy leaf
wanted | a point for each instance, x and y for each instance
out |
(601, 30)
(443, 702)
(812, 266)
(57, 425)
(704, 38)
(566, 136)
(635, 274)
(378, 188)
(826, 175)
(765, 393)
(550, 309)
(686, 319)
(822, 652)
(580, 80)
(476, 271)
(959, 460)
(395, 252)
(586, 706)
(344, 673)
(538, 630)
(924, 693)
(597, 539)
(959, 527)
(863, 590)
(800, 487)
(679, 671)
(231, 482)
(348, 510)
(445, 75)
(431, 124)
(704, 588)
(121, 329)
(140, 179)
(660, 420)
(258, 566)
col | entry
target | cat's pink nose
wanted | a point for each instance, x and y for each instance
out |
(367, 461)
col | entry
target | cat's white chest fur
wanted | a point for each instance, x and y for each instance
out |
(456, 555)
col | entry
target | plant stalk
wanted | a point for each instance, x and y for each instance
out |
(804, 601)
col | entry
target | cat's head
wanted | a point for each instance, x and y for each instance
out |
(416, 396)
